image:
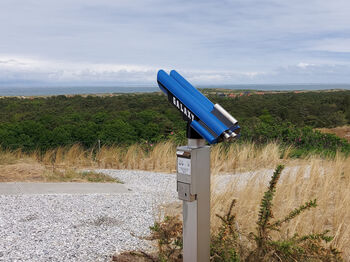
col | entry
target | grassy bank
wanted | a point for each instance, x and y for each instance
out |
(17, 166)
(158, 157)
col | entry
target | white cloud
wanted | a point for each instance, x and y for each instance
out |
(304, 65)
(12, 67)
(53, 72)
(46, 70)
(314, 73)
(240, 41)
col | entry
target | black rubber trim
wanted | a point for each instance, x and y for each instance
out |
(191, 132)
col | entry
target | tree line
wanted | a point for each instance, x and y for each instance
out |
(44, 123)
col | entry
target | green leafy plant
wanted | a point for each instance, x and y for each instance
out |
(224, 244)
(296, 248)
(168, 235)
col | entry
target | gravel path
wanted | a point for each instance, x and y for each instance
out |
(89, 227)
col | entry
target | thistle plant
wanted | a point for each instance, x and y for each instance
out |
(224, 245)
(296, 248)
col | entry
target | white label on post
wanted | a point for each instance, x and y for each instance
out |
(184, 165)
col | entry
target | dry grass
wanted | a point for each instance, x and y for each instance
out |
(71, 175)
(246, 157)
(328, 181)
(161, 157)
(25, 172)
(342, 131)
(17, 166)
(36, 172)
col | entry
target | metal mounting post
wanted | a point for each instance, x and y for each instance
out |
(215, 125)
(193, 186)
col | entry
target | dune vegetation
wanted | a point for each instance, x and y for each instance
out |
(57, 138)
(298, 215)
(327, 181)
(311, 177)
(159, 157)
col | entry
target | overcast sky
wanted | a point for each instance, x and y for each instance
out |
(75, 42)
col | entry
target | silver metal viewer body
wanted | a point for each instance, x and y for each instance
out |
(193, 186)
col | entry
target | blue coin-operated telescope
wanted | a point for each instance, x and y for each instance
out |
(205, 121)
(211, 122)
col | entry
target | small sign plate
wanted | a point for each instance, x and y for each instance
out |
(184, 166)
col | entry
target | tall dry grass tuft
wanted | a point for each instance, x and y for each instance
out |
(133, 157)
(7, 158)
(75, 156)
(245, 157)
(161, 157)
(61, 157)
(326, 180)
(109, 157)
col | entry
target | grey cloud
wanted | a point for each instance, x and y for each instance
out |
(250, 39)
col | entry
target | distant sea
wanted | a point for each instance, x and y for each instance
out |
(45, 91)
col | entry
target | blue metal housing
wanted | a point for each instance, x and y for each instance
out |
(196, 108)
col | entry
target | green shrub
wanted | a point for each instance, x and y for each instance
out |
(224, 245)
(304, 140)
(46, 123)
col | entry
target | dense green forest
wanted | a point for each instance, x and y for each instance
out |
(43, 123)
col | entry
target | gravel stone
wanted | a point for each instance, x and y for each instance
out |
(65, 227)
